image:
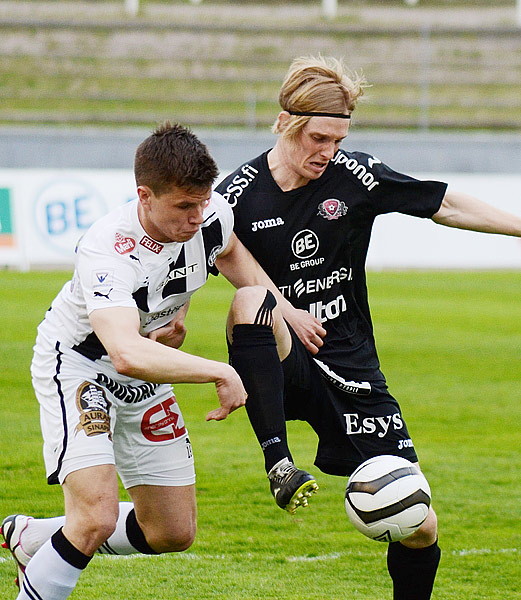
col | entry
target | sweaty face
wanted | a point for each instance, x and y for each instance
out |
(173, 216)
(309, 154)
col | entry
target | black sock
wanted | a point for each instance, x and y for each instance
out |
(254, 356)
(412, 570)
(68, 552)
(136, 536)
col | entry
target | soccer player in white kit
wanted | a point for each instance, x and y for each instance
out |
(105, 356)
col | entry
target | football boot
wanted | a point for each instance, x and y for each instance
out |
(11, 530)
(291, 487)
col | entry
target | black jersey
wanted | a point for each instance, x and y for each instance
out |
(313, 242)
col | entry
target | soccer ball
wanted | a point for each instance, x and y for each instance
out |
(387, 498)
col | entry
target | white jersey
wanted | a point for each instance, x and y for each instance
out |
(118, 264)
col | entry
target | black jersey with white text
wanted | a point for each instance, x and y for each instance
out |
(313, 242)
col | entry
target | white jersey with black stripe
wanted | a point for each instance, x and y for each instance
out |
(119, 265)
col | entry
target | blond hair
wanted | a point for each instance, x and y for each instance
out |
(317, 84)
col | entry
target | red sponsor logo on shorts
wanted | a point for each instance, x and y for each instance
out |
(151, 244)
(124, 244)
(163, 422)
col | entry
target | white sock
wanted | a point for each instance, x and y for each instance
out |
(118, 542)
(38, 531)
(49, 576)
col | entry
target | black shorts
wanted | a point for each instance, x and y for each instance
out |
(351, 427)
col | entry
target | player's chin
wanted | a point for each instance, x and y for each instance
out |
(316, 170)
(185, 236)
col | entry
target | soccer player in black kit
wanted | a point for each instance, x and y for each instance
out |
(305, 209)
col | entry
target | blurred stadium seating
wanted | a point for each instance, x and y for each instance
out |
(89, 63)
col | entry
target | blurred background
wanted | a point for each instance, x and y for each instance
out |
(83, 82)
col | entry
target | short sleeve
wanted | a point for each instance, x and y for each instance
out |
(401, 193)
(106, 279)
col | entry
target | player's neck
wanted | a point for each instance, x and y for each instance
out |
(281, 170)
(148, 226)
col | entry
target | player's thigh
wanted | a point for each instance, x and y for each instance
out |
(91, 490)
(91, 506)
(155, 462)
(427, 534)
(167, 515)
(76, 413)
(164, 506)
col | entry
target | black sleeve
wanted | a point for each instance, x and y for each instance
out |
(401, 193)
(404, 194)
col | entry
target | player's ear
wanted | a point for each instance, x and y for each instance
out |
(282, 120)
(144, 193)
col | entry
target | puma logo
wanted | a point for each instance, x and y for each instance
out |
(103, 295)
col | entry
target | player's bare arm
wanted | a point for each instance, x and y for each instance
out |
(466, 212)
(137, 356)
(241, 269)
(174, 333)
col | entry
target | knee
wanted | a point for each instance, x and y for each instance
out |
(252, 295)
(426, 535)
(181, 540)
(246, 303)
(173, 539)
(92, 531)
(104, 528)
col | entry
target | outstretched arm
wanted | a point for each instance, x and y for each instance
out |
(466, 212)
(137, 356)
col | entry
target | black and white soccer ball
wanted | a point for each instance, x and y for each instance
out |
(387, 498)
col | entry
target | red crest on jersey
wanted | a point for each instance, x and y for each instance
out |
(332, 209)
(124, 244)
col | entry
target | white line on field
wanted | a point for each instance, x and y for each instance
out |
(323, 557)
(179, 556)
(332, 556)
(469, 551)
(192, 556)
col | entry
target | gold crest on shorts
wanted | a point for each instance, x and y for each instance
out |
(94, 409)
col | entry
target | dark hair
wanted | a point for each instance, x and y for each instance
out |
(174, 157)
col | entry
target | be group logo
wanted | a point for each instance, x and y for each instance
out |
(64, 209)
(305, 244)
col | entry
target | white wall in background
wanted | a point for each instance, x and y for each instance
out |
(43, 212)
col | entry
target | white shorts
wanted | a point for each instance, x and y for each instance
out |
(90, 415)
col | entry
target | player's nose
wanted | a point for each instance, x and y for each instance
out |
(328, 150)
(196, 216)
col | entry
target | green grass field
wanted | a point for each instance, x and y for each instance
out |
(450, 347)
